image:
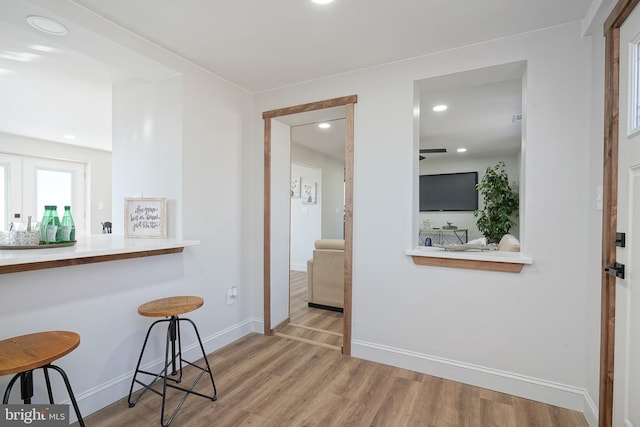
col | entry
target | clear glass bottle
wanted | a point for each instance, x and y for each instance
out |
(43, 225)
(67, 226)
(53, 226)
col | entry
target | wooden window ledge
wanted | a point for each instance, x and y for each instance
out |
(511, 262)
(90, 249)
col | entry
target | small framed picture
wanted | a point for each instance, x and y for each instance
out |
(145, 218)
(295, 187)
(309, 193)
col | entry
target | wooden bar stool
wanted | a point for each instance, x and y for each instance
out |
(22, 355)
(171, 308)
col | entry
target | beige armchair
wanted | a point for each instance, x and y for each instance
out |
(325, 275)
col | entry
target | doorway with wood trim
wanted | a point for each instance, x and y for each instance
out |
(617, 344)
(274, 242)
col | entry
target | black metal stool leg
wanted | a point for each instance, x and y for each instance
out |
(138, 370)
(171, 341)
(7, 391)
(206, 361)
(76, 408)
(26, 388)
(46, 379)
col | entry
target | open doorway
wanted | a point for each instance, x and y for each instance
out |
(277, 262)
(316, 228)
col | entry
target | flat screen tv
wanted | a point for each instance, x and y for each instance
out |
(449, 192)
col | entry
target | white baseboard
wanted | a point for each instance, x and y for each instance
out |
(115, 389)
(549, 392)
(298, 267)
(590, 410)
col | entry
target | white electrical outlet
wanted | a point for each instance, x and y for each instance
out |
(232, 294)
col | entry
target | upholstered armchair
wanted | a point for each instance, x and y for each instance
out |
(325, 275)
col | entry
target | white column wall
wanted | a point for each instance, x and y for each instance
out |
(280, 220)
(147, 144)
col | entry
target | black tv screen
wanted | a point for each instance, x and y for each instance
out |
(449, 192)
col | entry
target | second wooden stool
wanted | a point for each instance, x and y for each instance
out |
(171, 308)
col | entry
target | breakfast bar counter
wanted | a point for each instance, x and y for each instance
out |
(88, 249)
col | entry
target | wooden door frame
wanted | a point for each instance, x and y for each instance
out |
(349, 103)
(612, 25)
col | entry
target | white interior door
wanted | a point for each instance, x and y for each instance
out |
(626, 394)
(10, 189)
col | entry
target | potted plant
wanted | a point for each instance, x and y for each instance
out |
(500, 204)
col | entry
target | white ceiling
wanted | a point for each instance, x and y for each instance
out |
(261, 45)
(256, 44)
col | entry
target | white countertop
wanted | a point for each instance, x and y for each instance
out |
(91, 246)
(473, 255)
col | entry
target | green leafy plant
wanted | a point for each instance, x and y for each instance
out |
(500, 207)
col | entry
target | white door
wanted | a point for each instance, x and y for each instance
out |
(10, 189)
(626, 393)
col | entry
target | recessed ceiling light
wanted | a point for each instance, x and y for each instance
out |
(440, 107)
(324, 125)
(69, 136)
(47, 25)
(322, 1)
(461, 150)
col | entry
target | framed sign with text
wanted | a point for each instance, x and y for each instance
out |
(145, 217)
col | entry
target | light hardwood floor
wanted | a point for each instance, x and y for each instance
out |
(323, 327)
(272, 381)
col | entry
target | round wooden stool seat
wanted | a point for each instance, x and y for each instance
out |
(27, 352)
(170, 306)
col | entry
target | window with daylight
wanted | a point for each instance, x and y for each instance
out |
(27, 184)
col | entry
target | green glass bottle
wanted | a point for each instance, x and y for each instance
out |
(43, 224)
(53, 226)
(67, 226)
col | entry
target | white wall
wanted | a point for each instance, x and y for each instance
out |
(332, 188)
(306, 219)
(97, 161)
(466, 220)
(147, 146)
(519, 333)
